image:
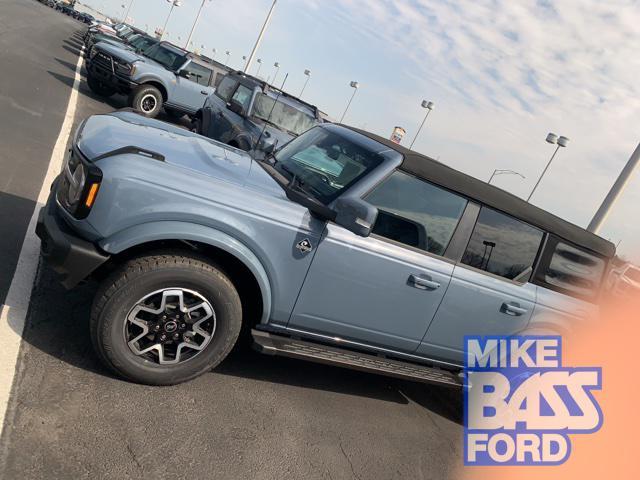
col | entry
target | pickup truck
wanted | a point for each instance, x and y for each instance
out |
(341, 247)
(164, 76)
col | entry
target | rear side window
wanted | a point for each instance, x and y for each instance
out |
(503, 246)
(199, 74)
(571, 270)
(416, 213)
(226, 88)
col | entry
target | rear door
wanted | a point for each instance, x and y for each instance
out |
(385, 289)
(190, 93)
(490, 293)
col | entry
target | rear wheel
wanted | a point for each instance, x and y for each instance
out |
(147, 100)
(99, 87)
(165, 319)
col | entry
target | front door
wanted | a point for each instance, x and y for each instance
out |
(191, 93)
(489, 292)
(383, 290)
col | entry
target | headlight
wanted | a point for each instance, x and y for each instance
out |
(77, 179)
(126, 68)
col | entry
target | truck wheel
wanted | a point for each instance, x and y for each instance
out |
(147, 100)
(164, 319)
(98, 87)
(196, 125)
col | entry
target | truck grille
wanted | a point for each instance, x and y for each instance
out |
(104, 61)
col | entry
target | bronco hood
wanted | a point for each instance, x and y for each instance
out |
(127, 133)
(121, 52)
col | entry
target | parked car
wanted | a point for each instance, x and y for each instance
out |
(342, 248)
(244, 110)
(165, 76)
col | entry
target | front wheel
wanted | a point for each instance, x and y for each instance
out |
(165, 319)
(147, 100)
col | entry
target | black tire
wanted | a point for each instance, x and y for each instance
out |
(175, 115)
(99, 88)
(196, 125)
(137, 278)
(147, 100)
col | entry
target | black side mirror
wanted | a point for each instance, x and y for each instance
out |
(236, 107)
(355, 215)
(184, 74)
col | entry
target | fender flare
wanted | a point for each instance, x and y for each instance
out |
(175, 230)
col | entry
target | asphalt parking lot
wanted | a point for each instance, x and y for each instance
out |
(253, 417)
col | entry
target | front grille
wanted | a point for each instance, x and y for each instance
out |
(103, 60)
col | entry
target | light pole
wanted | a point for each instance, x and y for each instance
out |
(174, 3)
(553, 139)
(308, 74)
(429, 107)
(355, 86)
(259, 65)
(277, 65)
(214, 51)
(617, 188)
(499, 171)
(195, 22)
(247, 65)
(126, 15)
(228, 54)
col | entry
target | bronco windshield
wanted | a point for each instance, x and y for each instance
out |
(166, 55)
(284, 115)
(324, 164)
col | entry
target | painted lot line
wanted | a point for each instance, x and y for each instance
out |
(14, 311)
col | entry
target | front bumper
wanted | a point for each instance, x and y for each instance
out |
(67, 254)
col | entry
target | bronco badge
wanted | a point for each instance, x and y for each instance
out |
(304, 245)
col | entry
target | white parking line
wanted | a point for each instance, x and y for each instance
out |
(13, 312)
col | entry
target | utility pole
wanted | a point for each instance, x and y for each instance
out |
(195, 23)
(255, 47)
(617, 188)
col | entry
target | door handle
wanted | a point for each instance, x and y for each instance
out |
(513, 308)
(423, 282)
(204, 92)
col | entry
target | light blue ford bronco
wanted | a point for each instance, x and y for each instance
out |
(163, 76)
(341, 247)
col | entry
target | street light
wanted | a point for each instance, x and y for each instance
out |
(195, 22)
(126, 15)
(247, 65)
(308, 74)
(429, 107)
(499, 171)
(174, 3)
(355, 86)
(259, 65)
(228, 53)
(553, 139)
(214, 51)
(277, 65)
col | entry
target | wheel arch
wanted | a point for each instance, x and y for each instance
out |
(235, 258)
(159, 85)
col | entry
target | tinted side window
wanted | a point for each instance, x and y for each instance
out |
(574, 271)
(243, 96)
(502, 245)
(226, 88)
(199, 74)
(416, 213)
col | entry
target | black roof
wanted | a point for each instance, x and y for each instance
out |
(250, 80)
(444, 176)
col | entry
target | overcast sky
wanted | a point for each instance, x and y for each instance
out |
(502, 74)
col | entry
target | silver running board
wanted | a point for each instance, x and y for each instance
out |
(272, 344)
